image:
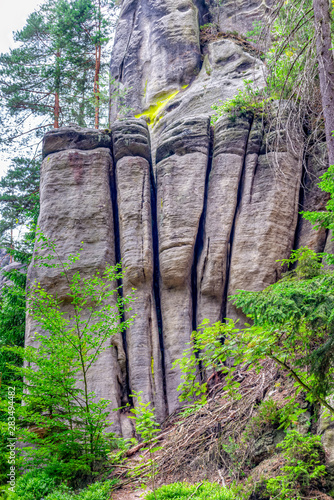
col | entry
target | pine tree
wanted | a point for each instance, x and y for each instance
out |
(32, 74)
(89, 28)
(19, 200)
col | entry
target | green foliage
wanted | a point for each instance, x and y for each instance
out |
(291, 68)
(33, 486)
(304, 456)
(292, 50)
(62, 420)
(12, 329)
(254, 35)
(37, 485)
(207, 25)
(268, 412)
(248, 100)
(12, 324)
(148, 429)
(55, 56)
(325, 218)
(146, 425)
(203, 351)
(19, 206)
(184, 491)
(96, 491)
(293, 325)
(309, 263)
(112, 92)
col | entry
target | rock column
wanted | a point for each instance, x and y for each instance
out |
(132, 154)
(267, 216)
(75, 207)
(181, 165)
(228, 159)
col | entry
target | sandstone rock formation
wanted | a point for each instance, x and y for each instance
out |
(195, 212)
(133, 181)
(76, 207)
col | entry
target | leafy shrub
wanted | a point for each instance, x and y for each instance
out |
(147, 428)
(303, 467)
(96, 491)
(39, 486)
(254, 36)
(246, 100)
(34, 485)
(183, 491)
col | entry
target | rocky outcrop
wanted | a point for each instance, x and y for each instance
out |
(230, 143)
(239, 15)
(267, 215)
(214, 215)
(156, 49)
(132, 151)
(76, 207)
(183, 148)
(194, 212)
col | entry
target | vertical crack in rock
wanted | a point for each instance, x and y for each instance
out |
(231, 238)
(200, 235)
(266, 220)
(203, 12)
(131, 145)
(113, 194)
(230, 142)
(156, 274)
(181, 166)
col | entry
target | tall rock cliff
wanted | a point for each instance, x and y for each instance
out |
(195, 212)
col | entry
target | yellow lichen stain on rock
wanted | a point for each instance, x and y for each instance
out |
(152, 112)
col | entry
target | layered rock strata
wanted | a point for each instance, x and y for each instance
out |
(205, 222)
(76, 207)
(133, 172)
(194, 212)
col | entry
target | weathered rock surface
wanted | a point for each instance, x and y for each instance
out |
(74, 138)
(180, 201)
(267, 215)
(131, 138)
(239, 15)
(76, 207)
(136, 246)
(194, 212)
(156, 49)
(230, 143)
(313, 199)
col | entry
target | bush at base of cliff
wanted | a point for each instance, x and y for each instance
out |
(183, 491)
(40, 486)
(296, 473)
(65, 424)
(303, 468)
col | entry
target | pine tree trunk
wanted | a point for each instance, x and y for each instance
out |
(326, 68)
(97, 69)
(56, 111)
(57, 87)
(97, 85)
